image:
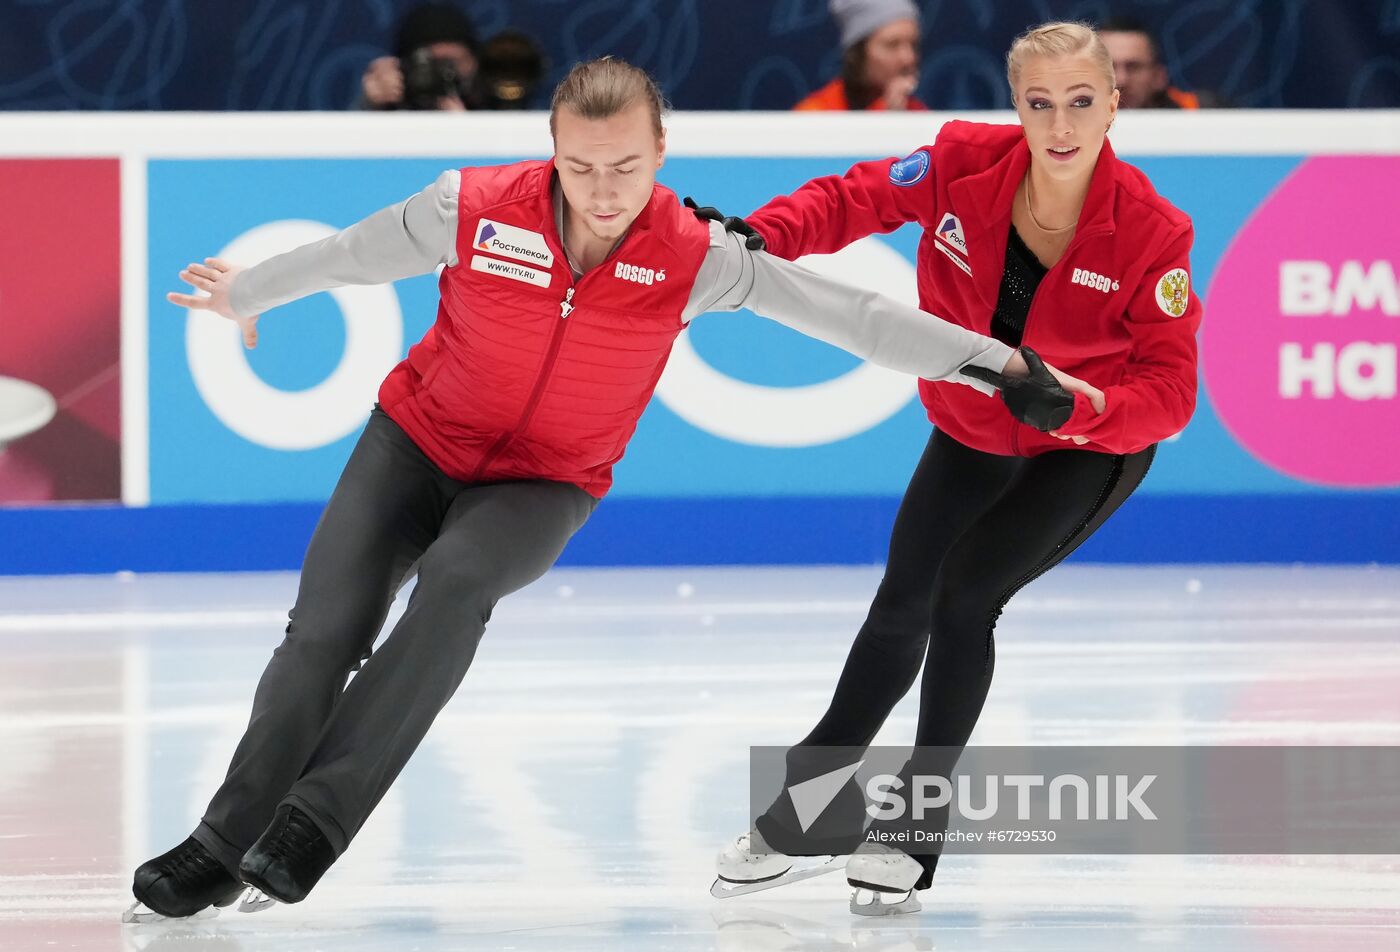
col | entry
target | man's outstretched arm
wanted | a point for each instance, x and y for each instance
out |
(867, 324)
(409, 238)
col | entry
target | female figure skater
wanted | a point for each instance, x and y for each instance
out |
(1033, 234)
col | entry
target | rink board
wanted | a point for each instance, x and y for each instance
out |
(760, 446)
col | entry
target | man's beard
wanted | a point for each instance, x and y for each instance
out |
(615, 229)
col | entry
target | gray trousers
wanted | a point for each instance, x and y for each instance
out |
(331, 749)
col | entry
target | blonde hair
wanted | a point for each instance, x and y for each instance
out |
(1058, 39)
(602, 88)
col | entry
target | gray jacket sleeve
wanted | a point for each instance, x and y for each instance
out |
(865, 323)
(412, 237)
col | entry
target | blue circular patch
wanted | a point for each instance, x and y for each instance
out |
(911, 170)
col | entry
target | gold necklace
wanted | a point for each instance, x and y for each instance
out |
(1031, 212)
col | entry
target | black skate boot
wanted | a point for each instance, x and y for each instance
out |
(181, 883)
(289, 858)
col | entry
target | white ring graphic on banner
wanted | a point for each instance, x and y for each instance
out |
(810, 415)
(305, 419)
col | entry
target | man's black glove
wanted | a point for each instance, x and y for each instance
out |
(752, 239)
(1038, 400)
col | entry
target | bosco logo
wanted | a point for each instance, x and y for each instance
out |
(1299, 342)
(637, 274)
(1096, 281)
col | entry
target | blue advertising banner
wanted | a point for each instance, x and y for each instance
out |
(748, 408)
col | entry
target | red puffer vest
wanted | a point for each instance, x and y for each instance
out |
(528, 374)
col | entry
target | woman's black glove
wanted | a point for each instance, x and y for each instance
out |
(752, 239)
(1037, 400)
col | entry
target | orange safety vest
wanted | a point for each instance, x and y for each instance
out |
(832, 98)
(1183, 99)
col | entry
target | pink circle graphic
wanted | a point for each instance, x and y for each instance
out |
(1302, 321)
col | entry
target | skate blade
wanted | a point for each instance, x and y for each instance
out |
(255, 900)
(138, 913)
(872, 902)
(725, 889)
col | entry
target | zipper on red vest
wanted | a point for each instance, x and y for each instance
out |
(566, 307)
(546, 371)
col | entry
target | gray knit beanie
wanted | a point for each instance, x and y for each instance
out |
(858, 19)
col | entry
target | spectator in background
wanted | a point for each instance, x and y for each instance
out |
(880, 59)
(435, 64)
(512, 66)
(1138, 69)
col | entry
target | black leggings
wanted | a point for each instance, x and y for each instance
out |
(333, 750)
(972, 530)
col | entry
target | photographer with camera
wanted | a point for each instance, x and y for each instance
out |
(435, 64)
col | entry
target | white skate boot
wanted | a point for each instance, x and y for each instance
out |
(748, 865)
(882, 880)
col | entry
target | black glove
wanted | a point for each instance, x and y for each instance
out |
(1038, 400)
(752, 239)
